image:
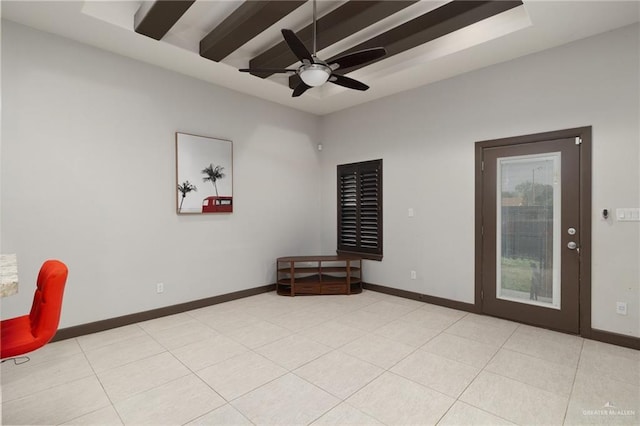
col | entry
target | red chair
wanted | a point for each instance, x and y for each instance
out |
(27, 333)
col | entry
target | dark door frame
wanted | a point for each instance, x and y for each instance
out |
(584, 133)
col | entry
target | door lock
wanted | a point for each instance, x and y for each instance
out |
(572, 245)
(571, 231)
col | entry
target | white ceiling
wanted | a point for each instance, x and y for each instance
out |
(537, 26)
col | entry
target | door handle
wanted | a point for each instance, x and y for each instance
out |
(572, 245)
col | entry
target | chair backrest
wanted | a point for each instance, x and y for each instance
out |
(47, 301)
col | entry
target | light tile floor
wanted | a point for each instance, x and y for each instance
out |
(364, 359)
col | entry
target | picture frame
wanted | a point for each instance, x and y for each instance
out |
(204, 174)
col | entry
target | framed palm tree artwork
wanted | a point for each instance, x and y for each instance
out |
(204, 174)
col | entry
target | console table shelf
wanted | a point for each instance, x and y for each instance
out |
(319, 275)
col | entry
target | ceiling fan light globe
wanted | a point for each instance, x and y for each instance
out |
(315, 75)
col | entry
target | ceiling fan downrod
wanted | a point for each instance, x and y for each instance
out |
(314, 29)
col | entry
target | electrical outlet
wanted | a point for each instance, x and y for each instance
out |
(621, 308)
(413, 275)
(160, 288)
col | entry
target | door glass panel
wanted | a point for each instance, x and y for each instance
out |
(528, 229)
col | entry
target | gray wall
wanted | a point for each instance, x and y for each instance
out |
(88, 176)
(426, 139)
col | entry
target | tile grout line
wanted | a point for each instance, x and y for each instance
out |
(386, 369)
(113, 406)
(474, 379)
(194, 372)
(252, 350)
(544, 359)
(166, 350)
(573, 384)
(528, 355)
(332, 349)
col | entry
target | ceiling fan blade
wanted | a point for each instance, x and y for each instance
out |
(300, 89)
(265, 70)
(347, 82)
(357, 58)
(297, 47)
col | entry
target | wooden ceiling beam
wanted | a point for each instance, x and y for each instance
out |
(157, 20)
(246, 22)
(347, 19)
(436, 23)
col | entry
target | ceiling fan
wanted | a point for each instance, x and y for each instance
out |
(315, 72)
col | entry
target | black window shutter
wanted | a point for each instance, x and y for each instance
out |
(360, 209)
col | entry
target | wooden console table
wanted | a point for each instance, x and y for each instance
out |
(319, 275)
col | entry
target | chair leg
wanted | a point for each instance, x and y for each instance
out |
(18, 360)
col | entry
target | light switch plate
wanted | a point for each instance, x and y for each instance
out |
(628, 214)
